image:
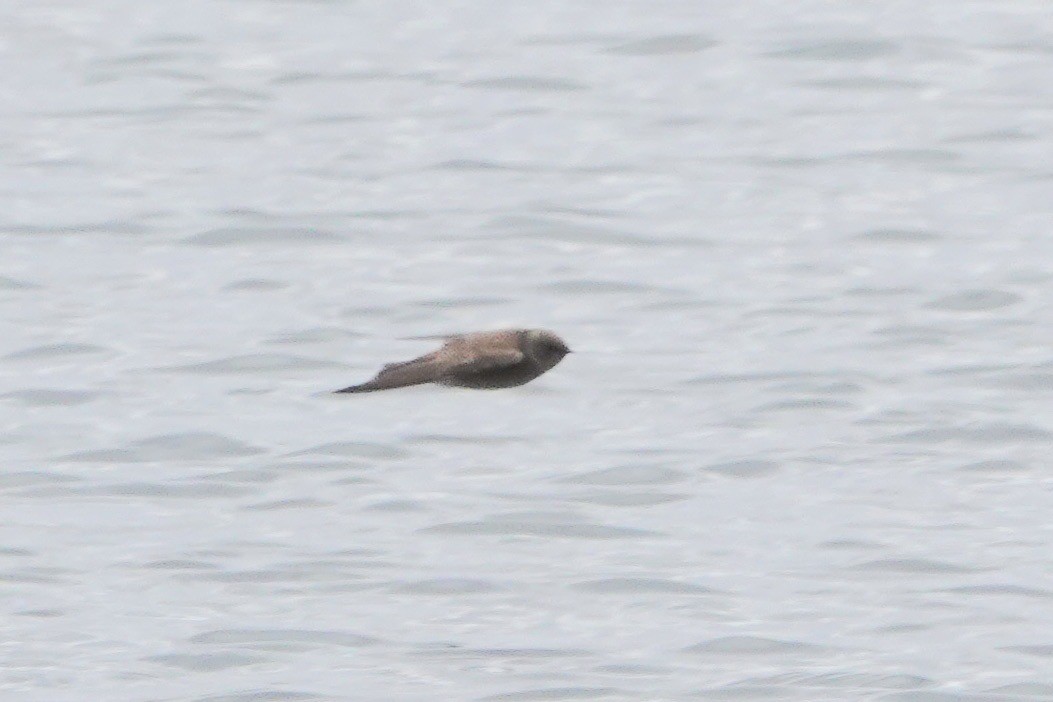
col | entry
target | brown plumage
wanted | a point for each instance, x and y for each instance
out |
(485, 360)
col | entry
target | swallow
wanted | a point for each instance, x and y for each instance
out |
(482, 360)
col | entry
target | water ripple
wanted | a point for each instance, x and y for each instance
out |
(268, 639)
(664, 45)
(916, 566)
(527, 525)
(186, 446)
(627, 475)
(752, 646)
(838, 50)
(554, 694)
(252, 236)
(268, 363)
(205, 662)
(642, 586)
(991, 433)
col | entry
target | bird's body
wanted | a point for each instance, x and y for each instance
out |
(483, 360)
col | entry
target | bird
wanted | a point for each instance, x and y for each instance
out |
(481, 360)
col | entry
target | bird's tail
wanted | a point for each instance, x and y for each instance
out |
(399, 375)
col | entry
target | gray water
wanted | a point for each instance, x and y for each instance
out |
(804, 252)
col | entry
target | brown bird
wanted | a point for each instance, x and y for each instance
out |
(485, 360)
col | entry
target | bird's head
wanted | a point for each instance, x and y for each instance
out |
(545, 347)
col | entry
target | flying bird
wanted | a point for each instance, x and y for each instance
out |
(483, 360)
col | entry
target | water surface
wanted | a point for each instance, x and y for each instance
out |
(802, 250)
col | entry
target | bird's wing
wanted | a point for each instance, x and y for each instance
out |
(487, 361)
(398, 375)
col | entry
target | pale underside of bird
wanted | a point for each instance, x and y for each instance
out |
(483, 360)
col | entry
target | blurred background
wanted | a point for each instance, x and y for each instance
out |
(803, 252)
